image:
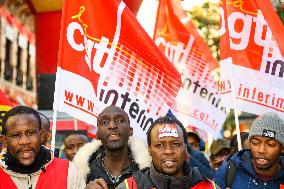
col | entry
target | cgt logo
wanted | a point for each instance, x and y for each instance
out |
(89, 45)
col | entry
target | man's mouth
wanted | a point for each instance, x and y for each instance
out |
(113, 137)
(261, 161)
(25, 154)
(169, 163)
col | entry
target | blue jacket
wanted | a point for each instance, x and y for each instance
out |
(246, 178)
(198, 159)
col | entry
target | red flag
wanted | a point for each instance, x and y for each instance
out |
(252, 65)
(5, 105)
(105, 58)
(199, 102)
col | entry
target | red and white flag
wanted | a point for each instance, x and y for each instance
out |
(199, 102)
(252, 64)
(106, 58)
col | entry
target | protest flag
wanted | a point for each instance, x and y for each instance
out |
(199, 101)
(106, 58)
(252, 64)
(5, 105)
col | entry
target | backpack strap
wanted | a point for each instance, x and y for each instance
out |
(231, 174)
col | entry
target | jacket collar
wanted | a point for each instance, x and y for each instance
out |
(4, 166)
(137, 147)
(191, 178)
(243, 161)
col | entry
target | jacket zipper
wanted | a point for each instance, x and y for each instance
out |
(168, 186)
(30, 182)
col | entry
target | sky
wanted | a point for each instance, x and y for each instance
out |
(147, 13)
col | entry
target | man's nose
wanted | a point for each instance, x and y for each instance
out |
(75, 149)
(24, 140)
(112, 124)
(262, 149)
(168, 149)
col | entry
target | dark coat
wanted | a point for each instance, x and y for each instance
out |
(150, 178)
(89, 160)
(198, 159)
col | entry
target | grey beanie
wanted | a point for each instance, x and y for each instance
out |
(269, 125)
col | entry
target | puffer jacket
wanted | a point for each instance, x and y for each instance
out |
(149, 178)
(246, 177)
(57, 173)
(89, 160)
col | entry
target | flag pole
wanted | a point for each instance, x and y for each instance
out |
(233, 91)
(235, 108)
(55, 107)
(53, 131)
(238, 129)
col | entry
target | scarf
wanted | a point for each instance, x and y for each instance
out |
(41, 159)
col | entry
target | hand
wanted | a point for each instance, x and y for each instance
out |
(97, 184)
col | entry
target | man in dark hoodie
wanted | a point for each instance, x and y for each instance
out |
(114, 156)
(261, 166)
(167, 145)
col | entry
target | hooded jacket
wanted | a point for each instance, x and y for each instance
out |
(149, 178)
(89, 160)
(198, 159)
(246, 176)
(56, 173)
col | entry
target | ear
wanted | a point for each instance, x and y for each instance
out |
(130, 131)
(42, 134)
(150, 150)
(3, 139)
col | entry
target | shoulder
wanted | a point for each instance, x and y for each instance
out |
(139, 180)
(139, 151)
(83, 156)
(220, 175)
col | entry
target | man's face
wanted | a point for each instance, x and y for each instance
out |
(72, 145)
(194, 143)
(168, 151)
(23, 138)
(265, 152)
(218, 159)
(113, 128)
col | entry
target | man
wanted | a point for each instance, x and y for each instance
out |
(220, 150)
(45, 125)
(197, 158)
(167, 145)
(28, 164)
(113, 157)
(195, 142)
(72, 143)
(261, 166)
(234, 142)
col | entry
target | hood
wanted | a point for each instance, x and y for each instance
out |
(138, 149)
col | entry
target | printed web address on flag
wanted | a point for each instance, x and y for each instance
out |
(256, 96)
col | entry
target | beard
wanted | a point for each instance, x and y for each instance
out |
(115, 146)
(173, 173)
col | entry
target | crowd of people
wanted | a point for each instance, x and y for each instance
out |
(171, 158)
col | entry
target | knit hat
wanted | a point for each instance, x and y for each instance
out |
(218, 145)
(268, 125)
